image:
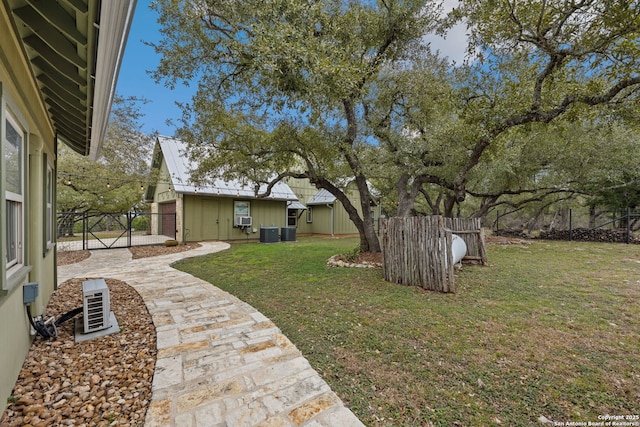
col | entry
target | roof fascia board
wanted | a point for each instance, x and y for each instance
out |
(116, 17)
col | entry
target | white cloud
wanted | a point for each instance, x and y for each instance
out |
(454, 44)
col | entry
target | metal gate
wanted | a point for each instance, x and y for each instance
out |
(100, 230)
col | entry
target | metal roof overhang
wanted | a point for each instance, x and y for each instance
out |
(322, 197)
(75, 48)
(296, 205)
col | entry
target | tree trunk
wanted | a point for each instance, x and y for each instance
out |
(405, 199)
(370, 243)
(368, 239)
(366, 229)
(593, 214)
(624, 219)
(449, 203)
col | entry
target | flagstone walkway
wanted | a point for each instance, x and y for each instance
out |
(220, 362)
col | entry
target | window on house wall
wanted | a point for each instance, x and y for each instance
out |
(49, 214)
(309, 214)
(13, 163)
(241, 211)
(292, 217)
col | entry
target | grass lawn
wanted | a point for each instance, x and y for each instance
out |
(548, 329)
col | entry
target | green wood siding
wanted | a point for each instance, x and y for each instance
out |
(321, 220)
(304, 191)
(19, 95)
(164, 191)
(212, 218)
(322, 214)
(201, 218)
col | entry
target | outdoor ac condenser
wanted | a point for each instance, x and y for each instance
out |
(95, 305)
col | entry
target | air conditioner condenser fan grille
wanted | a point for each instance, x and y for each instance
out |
(96, 306)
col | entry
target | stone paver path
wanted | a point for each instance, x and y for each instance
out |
(220, 362)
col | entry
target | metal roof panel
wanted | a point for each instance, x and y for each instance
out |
(322, 197)
(296, 205)
(174, 152)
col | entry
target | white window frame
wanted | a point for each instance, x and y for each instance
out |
(15, 201)
(241, 208)
(309, 214)
(49, 213)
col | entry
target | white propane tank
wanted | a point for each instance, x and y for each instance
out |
(458, 248)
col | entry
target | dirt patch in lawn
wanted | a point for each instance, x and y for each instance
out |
(369, 257)
(364, 259)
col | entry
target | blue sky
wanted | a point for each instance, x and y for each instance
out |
(139, 59)
(134, 79)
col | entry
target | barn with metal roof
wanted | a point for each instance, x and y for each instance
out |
(231, 210)
(218, 210)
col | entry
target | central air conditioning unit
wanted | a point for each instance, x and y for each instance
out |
(95, 305)
(243, 221)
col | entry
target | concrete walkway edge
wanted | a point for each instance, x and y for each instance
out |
(220, 362)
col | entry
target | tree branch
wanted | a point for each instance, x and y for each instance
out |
(274, 181)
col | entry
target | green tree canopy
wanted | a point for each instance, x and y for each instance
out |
(282, 86)
(532, 64)
(113, 182)
(337, 91)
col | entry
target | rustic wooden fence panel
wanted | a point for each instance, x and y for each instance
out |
(469, 230)
(415, 252)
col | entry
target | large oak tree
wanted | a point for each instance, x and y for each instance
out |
(336, 91)
(282, 84)
(112, 182)
(530, 64)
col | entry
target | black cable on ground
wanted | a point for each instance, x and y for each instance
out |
(51, 330)
(68, 315)
(45, 331)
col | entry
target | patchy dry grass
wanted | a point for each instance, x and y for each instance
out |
(548, 329)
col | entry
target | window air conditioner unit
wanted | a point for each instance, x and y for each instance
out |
(243, 221)
(95, 305)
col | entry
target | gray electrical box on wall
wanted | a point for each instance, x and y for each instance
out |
(29, 293)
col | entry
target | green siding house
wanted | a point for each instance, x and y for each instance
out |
(324, 214)
(57, 82)
(215, 211)
(221, 210)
